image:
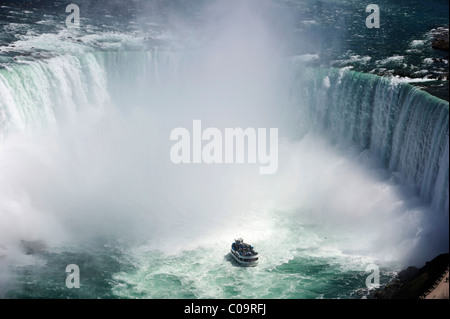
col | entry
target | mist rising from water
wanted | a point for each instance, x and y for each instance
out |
(106, 171)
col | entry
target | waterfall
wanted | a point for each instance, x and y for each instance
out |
(41, 93)
(406, 128)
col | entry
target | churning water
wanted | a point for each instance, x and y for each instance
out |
(85, 119)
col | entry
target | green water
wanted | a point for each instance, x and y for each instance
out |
(288, 269)
(85, 119)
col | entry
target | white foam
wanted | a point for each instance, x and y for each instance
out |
(417, 43)
(305, 58)
(398, 79)
(396, 59)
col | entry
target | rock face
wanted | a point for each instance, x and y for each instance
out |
(33, 247)
(440, 41)
(408, 274)
(413, 283)
(440, 44)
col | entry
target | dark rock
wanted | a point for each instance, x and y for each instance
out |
(440, 41)
(440, 44)
(413, 283)
(408, 274)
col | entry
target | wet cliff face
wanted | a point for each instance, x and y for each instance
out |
(413, 282)
(392, 120)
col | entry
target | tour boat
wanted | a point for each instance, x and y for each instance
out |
(244, 253)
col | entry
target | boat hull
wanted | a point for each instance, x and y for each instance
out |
(248, 261)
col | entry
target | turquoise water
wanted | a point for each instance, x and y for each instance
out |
(110, 270)
(84, 148)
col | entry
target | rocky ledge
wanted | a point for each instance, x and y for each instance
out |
(440, 39)
(414, 283)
